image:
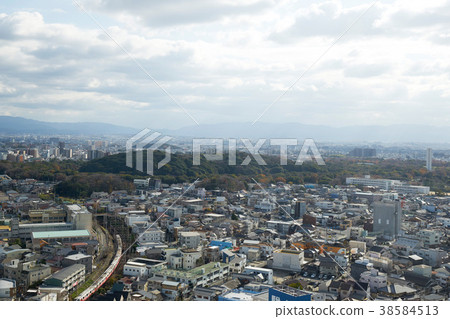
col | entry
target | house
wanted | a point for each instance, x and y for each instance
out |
(205, 294)
(374, 278)
(328, 266)
(173, 290)
(26, 272)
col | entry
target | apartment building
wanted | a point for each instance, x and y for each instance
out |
(68, 278)
(189, 239)
(430, 238)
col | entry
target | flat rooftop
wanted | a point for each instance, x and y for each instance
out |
(193, 273)
(291, 291)
(60, 234)
(148, 262)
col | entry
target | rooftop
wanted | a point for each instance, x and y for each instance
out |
(78, 256)
(146, 261)
(291, 291)
(60, 234)
(67, 272)
(193, 273)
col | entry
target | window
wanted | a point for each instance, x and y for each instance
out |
(379, 220)
(387, 221)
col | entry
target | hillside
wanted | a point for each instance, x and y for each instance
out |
(80, 179)
(180, 169)
(19, 125)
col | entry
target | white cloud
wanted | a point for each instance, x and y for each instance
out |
(227, 61)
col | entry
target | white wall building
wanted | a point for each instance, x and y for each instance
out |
(80, 217)
(266, 273)
(385, 184)
(288, 259)
(374, 278)
(132, 219)
(143, 267)
(429, 237)
(189, 239)
(151, 235)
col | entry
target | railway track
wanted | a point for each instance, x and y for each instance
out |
(105, 276)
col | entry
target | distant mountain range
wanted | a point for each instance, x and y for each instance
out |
(19, 125)
(375, 133)
(320, 133)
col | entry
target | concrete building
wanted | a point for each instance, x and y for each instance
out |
(299, 209)
(80, 217)
(51, 215)
(429, 159)
(151, 235)
(387, 218)
(189, 239)
(184, 258)
(325, 205)
(288, 259)
(133, 219)
(432, 256)
(24, 231)
(80, 259)
(411, 189)
(279, 226)
(430, 238)
(142, 183)
(25, 273)
(65, 236)
(172, 289)
(68, 278)
(374, 278)
(143, 267)
(266, 274)
(385, 184)
(199, 276)
(422, 270)
(7, 289)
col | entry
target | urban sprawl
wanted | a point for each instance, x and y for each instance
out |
(368, 239)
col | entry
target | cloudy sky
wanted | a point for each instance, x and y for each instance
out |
(226, 61)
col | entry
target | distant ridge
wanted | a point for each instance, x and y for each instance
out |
(20, 125)
(402, 133)
(374, 133)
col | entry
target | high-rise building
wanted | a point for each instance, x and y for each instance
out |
(300, 209)
(429, 159)
(387, 218)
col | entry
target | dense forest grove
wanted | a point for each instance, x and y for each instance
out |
(77, 179)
